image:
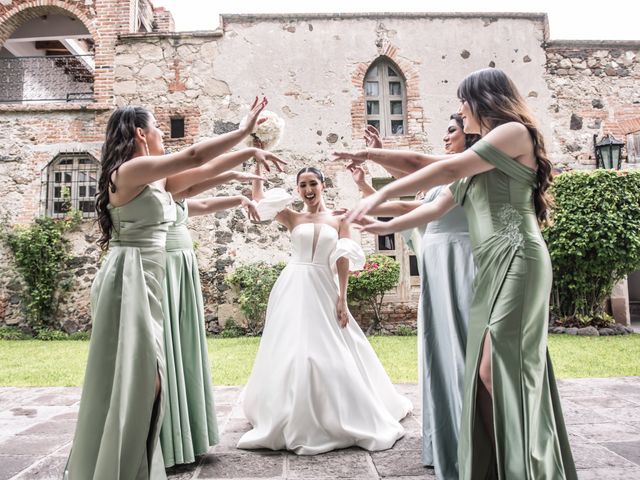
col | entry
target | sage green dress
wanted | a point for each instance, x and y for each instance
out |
(189, 426)
(511, 304)
(118, 427)
(446, 278)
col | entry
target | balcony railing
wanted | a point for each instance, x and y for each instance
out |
(60, 78)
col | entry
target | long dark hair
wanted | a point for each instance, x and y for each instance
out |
(119, 147)
(469, 138)
(313, 170)
(494, 100)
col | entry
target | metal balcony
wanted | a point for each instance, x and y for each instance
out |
(59, 78)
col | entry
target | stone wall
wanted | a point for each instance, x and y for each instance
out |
(311, 67)
(595, 91)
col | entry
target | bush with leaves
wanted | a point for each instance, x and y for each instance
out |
(254, 282)
(41, 252)
(369, 285)
(594, 239)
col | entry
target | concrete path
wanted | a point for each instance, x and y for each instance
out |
(602, 415)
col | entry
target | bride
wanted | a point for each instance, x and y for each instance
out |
(316, 385)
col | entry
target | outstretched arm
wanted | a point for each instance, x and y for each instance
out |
(397, 162)
(214, 182)
(203, 206)
(183, 182)
(391, 208)
(420, 216)
(140, 171)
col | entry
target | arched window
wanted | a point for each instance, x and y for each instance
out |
(385, 98)
(71, 183)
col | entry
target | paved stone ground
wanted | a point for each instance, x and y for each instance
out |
(602, 415)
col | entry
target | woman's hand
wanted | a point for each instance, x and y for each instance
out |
(343, 312)
(263, 158)
(252, 120)
(356, 158)
(245, 176)
(372, 137)
(357, 173)
(250, 207)
(374, 226)
(365, 206)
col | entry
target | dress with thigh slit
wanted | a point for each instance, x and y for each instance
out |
(117, 432)
(510, 304)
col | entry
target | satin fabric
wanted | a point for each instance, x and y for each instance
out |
(446, 278)
(118, 425)
(511, 304)
(190, 425)
(316, 387)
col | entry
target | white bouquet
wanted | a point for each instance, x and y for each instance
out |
(267, 135)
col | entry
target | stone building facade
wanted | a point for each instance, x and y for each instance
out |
(318, 72)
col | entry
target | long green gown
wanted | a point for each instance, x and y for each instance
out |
(190, 425)
(446, 278)
(118, 427)
(511, 304)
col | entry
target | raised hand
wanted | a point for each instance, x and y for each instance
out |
(365, 206)
(357, 173)
(372, 137)
(356, 158)
(246, 176)
(374, 226)
(252, 120)
(252, 211)
(263, 158)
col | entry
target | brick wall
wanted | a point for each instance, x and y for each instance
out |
(163, 20)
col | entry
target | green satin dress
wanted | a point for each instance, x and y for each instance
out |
(118, 427)
(190, 425)
(446, 278)
(511, 304)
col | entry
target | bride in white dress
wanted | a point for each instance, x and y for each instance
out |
(316, 385)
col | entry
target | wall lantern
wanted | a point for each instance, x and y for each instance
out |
(608, 152)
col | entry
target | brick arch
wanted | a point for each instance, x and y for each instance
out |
(416, 121)
(11, 19)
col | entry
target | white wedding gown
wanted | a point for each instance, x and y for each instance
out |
(316, 387)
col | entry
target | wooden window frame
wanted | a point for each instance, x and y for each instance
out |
(384, 117)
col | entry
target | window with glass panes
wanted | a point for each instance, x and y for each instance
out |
(72, 183)
(385, 99)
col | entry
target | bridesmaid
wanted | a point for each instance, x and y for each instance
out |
(512, 424)
(122, 403)
(446, 274)
(190, 427)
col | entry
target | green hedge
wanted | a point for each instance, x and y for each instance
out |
(594, 239)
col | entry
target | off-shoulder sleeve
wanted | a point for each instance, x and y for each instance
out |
(351, 250)
(273, 202)
(459, 189)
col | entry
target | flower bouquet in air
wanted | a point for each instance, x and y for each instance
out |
(267, 134)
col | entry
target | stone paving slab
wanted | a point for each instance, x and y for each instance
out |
(602, 415)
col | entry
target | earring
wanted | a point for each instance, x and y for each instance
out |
(146, 147)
